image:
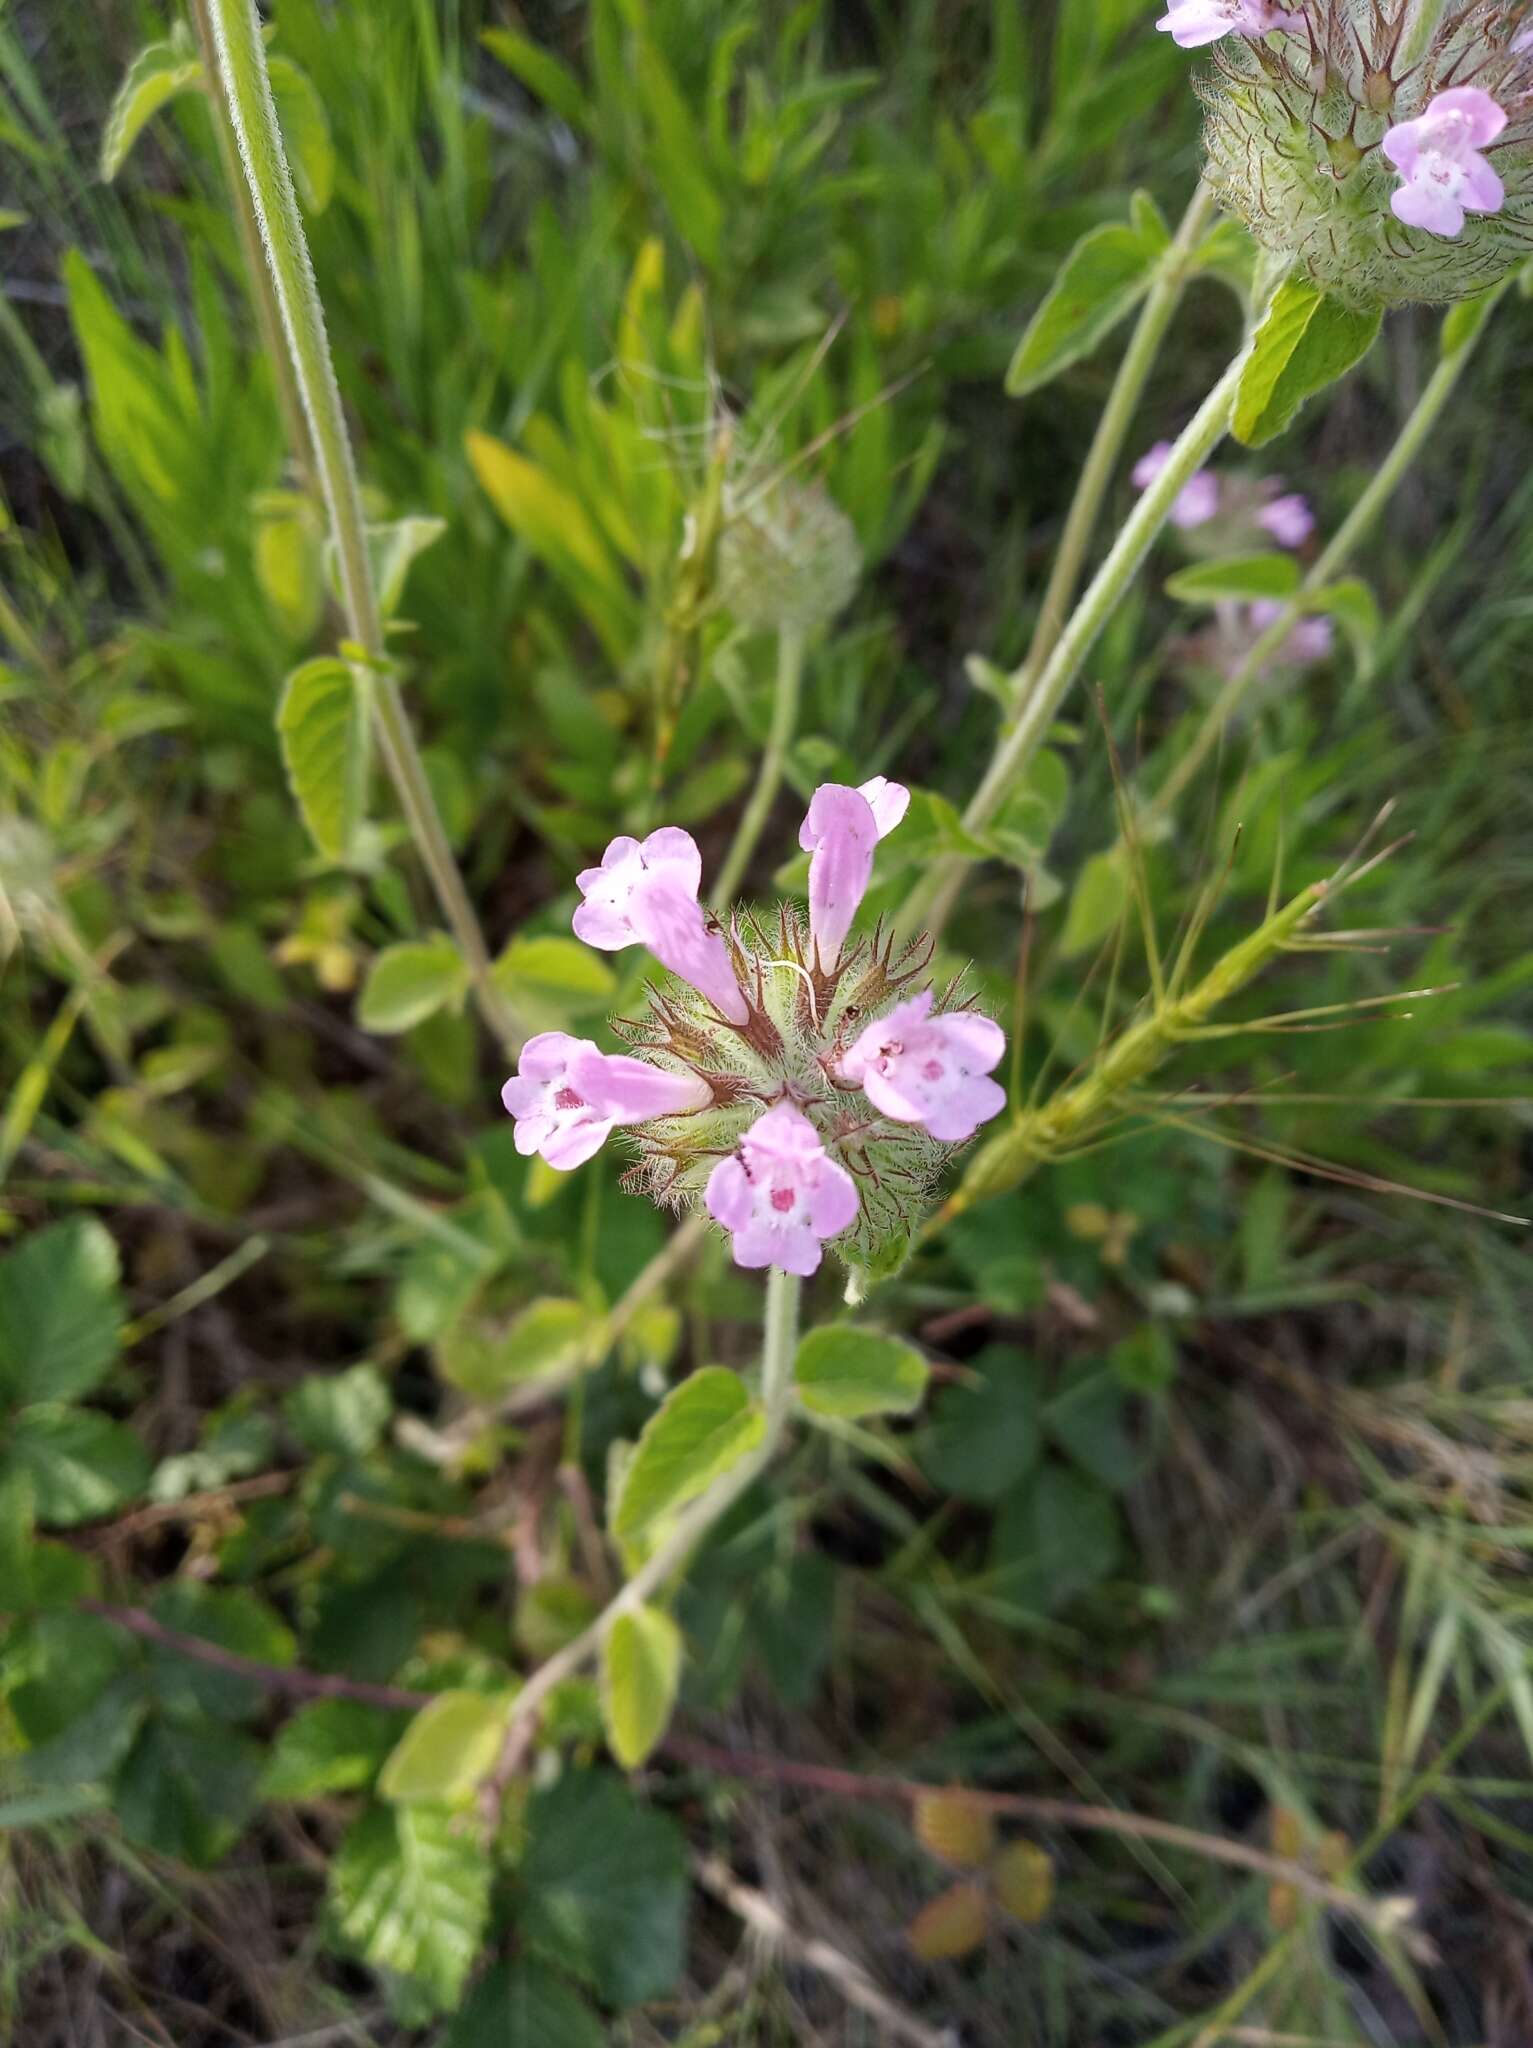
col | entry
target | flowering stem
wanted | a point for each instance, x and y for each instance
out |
(779, 1344)
(931, 902)
(1413, 436)
(1041, 1134)
(246, 89)
(1112, 431)
(790, 675)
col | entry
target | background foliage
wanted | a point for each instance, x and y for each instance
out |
(1217, 1511)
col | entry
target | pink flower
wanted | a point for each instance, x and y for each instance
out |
(665, 915)
(780, 1195)
(840, 832)
(1288, 519)
(921, 1069)
(1198, 500)
(602, 919)
(1438, 158)
(1191, 23)
(567, 1094)
(1311, 639)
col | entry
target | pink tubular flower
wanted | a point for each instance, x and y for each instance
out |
(666, 917)
(920, 1069)
(602, 919)
(780, 1195)
(1288, 519)
(1198, 500)
(840, 832)
(1438, 157)
(1191, 23)
(1311, 639)
(567, 1094)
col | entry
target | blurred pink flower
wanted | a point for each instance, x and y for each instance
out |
(1191, 23)
(780, 1195)
(840, 832)
(1198, 500)
(1288, 519)
(1311, 640)
(919, 1069)
(1438, 157)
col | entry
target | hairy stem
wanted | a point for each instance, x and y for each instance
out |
(932, 901)
(780, 1339)
(790, 675)
(1037, 1135)
(1112, 431)
(246, 88)
(1412, 438)
(263, 297)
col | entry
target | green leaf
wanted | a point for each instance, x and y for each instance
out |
(322, 728)
(1097, 903)
(332, 1746)
(155, 77)
(231, 1618)
(551, 979)
(985, 1435)
(524, 2005)
(641, 1671)
(1305, 343)
(410, 982)
(1054, 1538)
(410, 1892)
(541, 73)
(1352, 604)
(1089, 1419)
(80, 1465)
(700, 1430)
(604, 1888)
(1463, 322)
(306, 131)
(392, 548)
(1237, 576)
(447, 1749)
(484, 1361)
(849, 1373)
(60, 1312)
(1104, 277)
(187, 1791)
(340, 1413)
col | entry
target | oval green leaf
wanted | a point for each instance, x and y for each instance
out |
(408, 983)
(703, 1427)
(641, 1670)
(847, 1374)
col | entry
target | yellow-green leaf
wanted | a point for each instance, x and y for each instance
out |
(155, 77)
(484, 1361)
(849, 1374)
(447, 1749)
(410, 982)
(703, 1427)
(1023, 1875)
(955, 1826)
(551, 520)
(322, 728)
(641, 1670)
(550, 977)
(1305, 343)
(950, 1926)
(306, 131)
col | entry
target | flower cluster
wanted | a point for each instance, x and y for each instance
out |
(788, 1075)
(1387, 145)
(1246, 511)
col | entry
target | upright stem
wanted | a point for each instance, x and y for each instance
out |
(779, 1343)
(1412, 437)
(931, 901)
(790, 673)
(1112, 431)
(253, 117)
(262, 294)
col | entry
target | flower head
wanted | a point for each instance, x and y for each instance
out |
(1198, 500)
(921, 1069)
(567, 1094)
(756, 1083)
(781, 1195)
(1438, 157)
(840, 832)
(1354, 145)
(1310, 640)
(1192, 23)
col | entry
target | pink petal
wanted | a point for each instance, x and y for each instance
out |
(797, 1250)
(1150, 465)
(833, 1200)
(576, 1141)
(883, 1090)
(672, 925)
(600, 925)
(1403, 146)
(672, 848)
(1424, 206)
(784, 1135)
(1483, 191)
(841, 832)
(1483, 118)
(979, 1041)
(728, 1197)
(888, 801)
(529, 1133)
(630, 1091)
(961, 1112)
(545, 1057)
